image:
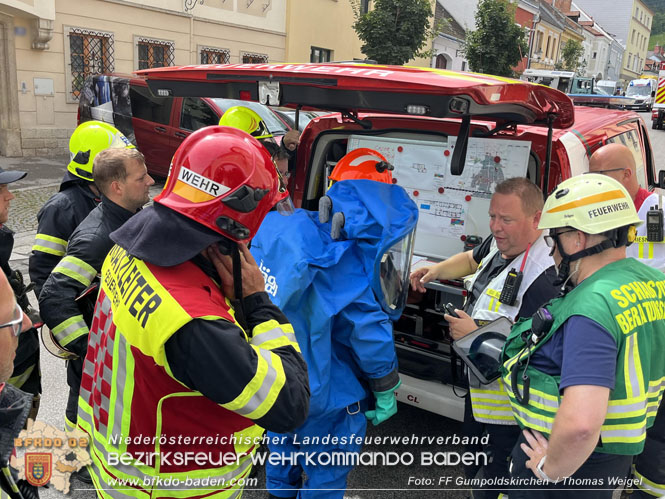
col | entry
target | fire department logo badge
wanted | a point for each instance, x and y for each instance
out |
(37, 468)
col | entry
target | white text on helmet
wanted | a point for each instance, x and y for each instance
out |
(202, 183)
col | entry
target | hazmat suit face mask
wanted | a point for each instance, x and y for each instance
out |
(394, 273)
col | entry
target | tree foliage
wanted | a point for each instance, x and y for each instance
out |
(497, 44)
(394, 31)
(570, 56)
(658, 23)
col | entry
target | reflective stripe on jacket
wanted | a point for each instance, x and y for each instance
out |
(57, 219)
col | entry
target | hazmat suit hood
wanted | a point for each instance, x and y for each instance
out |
(378, 217)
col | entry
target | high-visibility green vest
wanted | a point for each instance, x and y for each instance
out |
(626, 298)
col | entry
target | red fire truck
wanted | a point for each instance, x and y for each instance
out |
(658, 109)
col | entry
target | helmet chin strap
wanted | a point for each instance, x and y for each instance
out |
(563, 271)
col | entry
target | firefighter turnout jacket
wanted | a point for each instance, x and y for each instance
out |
(57, 219)
(170, 373)
(627, 299)
(67, 316)
(87, 248)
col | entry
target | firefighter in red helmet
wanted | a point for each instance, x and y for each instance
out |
(200, 356)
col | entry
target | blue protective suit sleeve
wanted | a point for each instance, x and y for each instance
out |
(372, 345)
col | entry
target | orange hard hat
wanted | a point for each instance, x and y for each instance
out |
(363, 163)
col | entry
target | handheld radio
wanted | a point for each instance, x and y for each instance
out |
(511, 287)
(655, 224)
(513, 281)
(450, 310)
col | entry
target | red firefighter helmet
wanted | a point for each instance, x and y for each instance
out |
(224, 179)
(363, 163)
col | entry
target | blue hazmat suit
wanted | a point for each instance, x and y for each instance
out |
(330, 290)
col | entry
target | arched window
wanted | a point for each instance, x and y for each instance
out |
(441, 61)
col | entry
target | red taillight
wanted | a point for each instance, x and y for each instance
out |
(245, 95)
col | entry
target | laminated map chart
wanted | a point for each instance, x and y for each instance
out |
(450, 206)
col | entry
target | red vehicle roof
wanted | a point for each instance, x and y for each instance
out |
(371, 88)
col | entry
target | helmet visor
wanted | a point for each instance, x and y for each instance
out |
(119, 141)
(394, 273)
(53, 347)
(262, 131)
(285, 206)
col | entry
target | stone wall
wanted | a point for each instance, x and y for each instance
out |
(45, 141)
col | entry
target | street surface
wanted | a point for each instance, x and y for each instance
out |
(366, 482)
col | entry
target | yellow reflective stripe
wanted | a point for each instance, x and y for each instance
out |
(648, 486)
(271, 334)
(626, 408)
(70, 426)
(480, 78)
(10, 480)
(19, 380)
(623, 433)
(493, 293)
(76, 269)
(640, 251)
(633, 376)
(650, 250)
(494, 305)
(261, 392)
(587, 200)
(49, 244)
(532, 420)
(539, 399)
(656, 386)
(69, 330)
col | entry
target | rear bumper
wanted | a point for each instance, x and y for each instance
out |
(432, 396)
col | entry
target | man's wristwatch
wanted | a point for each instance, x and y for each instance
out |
(542, 474)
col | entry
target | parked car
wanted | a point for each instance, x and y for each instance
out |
(157, 125)
(288, 115)
(451, 137)
(610, 87)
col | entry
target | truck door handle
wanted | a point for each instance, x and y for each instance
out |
(182, 135)
(160, 129)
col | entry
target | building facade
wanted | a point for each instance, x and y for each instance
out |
(527, 16)
(49, 47)
(630, 22)
(311, 39)
(547, 38)
(448, 45)
(322, 31)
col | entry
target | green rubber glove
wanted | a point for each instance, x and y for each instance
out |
(386, 406)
